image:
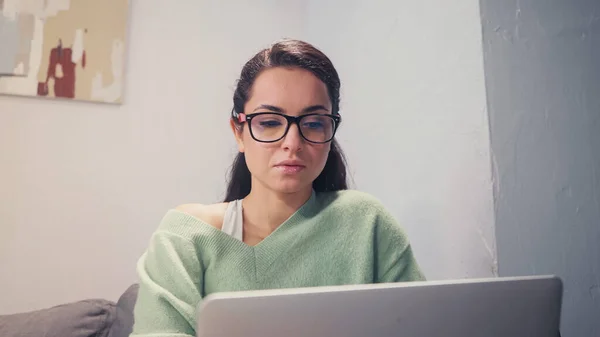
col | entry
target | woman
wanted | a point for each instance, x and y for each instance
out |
(288, 219)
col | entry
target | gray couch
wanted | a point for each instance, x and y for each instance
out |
(87, 318)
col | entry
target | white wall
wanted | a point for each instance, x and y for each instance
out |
(82, 186)
(543, 78)
(415, 123)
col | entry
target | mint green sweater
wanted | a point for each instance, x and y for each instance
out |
(336, 238)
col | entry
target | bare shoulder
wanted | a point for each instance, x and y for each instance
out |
(211, 214)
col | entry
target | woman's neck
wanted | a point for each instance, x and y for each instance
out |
(267, 210)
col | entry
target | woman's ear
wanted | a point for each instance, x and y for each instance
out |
(238, 132)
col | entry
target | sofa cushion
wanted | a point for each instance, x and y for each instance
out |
(79, 319)
(123, 323)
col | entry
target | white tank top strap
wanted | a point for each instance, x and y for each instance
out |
(233, 221)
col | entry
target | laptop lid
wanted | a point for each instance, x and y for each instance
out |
(499, 307)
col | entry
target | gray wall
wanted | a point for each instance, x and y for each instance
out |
(542, 63)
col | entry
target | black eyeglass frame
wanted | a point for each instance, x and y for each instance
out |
(241, 117)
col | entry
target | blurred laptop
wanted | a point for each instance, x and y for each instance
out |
(499, 307)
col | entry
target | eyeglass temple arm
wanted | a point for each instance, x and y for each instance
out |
(241, 117)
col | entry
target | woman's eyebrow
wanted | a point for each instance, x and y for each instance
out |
(273, 108)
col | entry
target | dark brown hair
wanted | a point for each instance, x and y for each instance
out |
(293, 54)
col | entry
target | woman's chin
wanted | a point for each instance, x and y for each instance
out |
(290, 186)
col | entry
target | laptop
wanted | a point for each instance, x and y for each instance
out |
(499, 307)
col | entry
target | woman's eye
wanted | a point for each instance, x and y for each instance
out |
(270, 123)
(313, 125)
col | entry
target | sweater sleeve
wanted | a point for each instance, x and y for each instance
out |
(170, 276)
(396, 261)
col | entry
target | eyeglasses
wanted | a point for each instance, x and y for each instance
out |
(269, 127)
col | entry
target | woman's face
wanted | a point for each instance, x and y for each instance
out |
(292, 163)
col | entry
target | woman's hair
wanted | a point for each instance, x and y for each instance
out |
(292, 54)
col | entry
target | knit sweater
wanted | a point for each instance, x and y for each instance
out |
(335, 238)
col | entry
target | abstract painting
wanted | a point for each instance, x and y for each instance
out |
(63, 49)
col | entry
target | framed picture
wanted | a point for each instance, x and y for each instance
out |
(64, 49)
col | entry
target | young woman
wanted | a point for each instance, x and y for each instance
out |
(288, 219)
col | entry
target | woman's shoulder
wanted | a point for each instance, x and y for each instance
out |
(360, 208)
(193, 221)
(354, 200)
(211, 214)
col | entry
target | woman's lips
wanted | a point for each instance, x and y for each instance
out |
(290, 169)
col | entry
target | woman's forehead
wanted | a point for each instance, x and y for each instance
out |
(290, 89)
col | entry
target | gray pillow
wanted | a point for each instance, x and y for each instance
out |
(123, 323)
(80, 319)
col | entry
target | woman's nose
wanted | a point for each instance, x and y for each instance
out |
(293, 140)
